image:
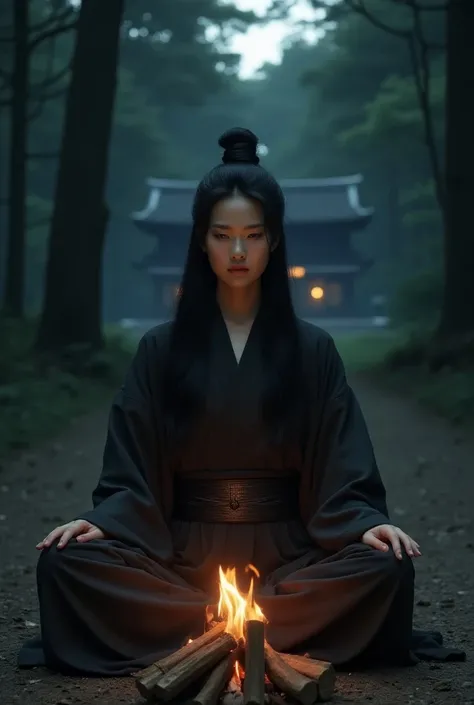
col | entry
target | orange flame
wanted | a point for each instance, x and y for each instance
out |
(234, 607)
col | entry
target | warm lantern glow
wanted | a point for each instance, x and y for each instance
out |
(317, 292)
(297, 272)
(234, 607)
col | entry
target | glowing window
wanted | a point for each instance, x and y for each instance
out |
(326, 294)
(317, 293)
(296, 272)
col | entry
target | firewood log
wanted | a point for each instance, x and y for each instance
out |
(146, 679)
(322, 672)
(215, 683)
(254, 683)
(294, 684)
(193, 667)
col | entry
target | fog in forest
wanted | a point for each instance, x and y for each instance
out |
(342, 101)
(109, 116)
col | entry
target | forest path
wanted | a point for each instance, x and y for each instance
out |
(428, 470)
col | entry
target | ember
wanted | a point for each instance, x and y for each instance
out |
(233, 662)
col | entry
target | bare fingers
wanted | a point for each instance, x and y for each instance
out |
(371, 540)
(91, 534)
(68, 535)
(64, 533)
(410, 546)
(52, 536)
(394, 538)
(387, 535)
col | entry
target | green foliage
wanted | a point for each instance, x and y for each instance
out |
(364, 352)
(421, 207)
(392, 113)
(38, 398)
(351, 63)
(392, 122)
(418, 301)
(397, 360)
(134, 108)
(393, 126)
(449, 393)
(364, 116)
(184, 40)
(281, 135)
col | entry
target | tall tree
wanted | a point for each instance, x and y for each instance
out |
(72, 304)
(15, 270)
(453, 179)
(25, 102)
(457, 312)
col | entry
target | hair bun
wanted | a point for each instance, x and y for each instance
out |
(240, 146)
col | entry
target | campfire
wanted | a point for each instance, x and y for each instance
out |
(232, 662)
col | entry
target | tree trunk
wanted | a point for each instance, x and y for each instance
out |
(457, 315)
(396, 248)
(72, 309)
(15, 255)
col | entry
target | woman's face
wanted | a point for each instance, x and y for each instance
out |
(236, 242)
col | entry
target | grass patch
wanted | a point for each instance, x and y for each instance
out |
(37, 400)
(449, 392)
(365, 352)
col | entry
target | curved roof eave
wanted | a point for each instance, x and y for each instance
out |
(183, 184)
(354, 201)
(153, 202)
(159, 189)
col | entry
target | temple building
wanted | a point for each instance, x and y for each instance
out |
(321, 216)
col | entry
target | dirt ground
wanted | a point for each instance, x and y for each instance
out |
(428, 468)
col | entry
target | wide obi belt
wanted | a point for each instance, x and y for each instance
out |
(237, 497)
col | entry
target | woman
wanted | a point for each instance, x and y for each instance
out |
(235, 439)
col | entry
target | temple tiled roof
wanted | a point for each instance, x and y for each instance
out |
(316, 201)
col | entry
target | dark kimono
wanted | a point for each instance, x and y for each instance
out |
(109, 607)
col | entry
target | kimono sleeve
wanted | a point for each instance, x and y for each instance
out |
(126, 501)
(350, 496)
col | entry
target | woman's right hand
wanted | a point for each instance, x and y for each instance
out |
(80, 529)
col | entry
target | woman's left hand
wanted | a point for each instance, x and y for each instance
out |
(380, 537)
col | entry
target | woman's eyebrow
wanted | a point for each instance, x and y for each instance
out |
(222, 226)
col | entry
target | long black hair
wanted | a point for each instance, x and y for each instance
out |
(187, 366)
